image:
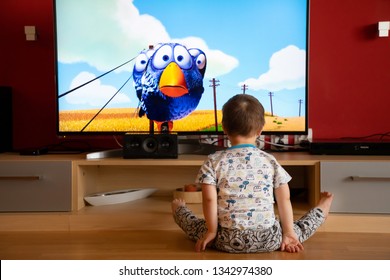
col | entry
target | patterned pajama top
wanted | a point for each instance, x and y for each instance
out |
(245, 178)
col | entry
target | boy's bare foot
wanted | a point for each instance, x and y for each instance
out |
(325, 202)
(177, 202)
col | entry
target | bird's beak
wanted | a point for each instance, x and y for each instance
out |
(172, 81)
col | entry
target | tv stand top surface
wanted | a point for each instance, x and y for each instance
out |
(287, 158)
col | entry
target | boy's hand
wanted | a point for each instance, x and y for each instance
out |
(291, 244)
(202, 243)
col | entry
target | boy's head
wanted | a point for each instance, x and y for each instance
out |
(243, 115)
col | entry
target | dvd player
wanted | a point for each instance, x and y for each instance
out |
(350, 147)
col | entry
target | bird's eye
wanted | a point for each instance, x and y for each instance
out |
(201, 61)
(200, 58)
(182, 57)
(162, 57)
(141, 62)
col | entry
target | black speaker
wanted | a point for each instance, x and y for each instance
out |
(150, 146)
(5, 119)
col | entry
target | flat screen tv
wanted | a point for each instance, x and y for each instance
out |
(110, 56)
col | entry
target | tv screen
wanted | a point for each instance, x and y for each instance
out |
(110, 56)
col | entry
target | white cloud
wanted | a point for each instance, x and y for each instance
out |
(122, 33)
(218, 63)
(95, 93)
(287, 70)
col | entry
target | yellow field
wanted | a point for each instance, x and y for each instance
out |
(277, 123)
(126, 119)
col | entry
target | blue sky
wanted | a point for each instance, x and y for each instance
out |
(261, 43)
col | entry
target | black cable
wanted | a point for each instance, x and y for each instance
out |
(104, 106)
(381, 136)
(86, 83)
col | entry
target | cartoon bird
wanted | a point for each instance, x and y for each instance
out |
(169, 82)
(140, 64)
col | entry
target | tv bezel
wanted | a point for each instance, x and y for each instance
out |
(186, 134)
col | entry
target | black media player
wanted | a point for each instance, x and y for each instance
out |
(350, 147)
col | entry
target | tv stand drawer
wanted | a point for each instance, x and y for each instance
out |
(35, 186)
(359, 187)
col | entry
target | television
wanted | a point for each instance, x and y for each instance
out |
(256, 47)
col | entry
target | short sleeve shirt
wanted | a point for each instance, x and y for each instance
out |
(245, 178)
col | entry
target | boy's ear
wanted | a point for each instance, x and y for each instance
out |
(260, 130)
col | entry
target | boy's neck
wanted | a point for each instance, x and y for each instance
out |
(240, 140)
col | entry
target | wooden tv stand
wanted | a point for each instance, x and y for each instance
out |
(167, 174)
(98, 175)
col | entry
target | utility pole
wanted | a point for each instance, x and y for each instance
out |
(244, 87)
(270, 99)
(214, 84)
(300, 104)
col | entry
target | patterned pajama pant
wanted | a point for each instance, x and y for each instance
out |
(248, 241)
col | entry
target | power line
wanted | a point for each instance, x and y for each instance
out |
(90, 81)
(104, 106)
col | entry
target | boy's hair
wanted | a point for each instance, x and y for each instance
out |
(242, 115)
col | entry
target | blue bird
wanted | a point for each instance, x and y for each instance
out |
(169, 82)
(140, 64)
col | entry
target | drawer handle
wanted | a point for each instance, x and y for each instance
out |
(20, 178)
(373, 178)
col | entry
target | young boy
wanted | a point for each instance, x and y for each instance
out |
(239, 185)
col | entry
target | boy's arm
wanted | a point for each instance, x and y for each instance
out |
(209, 201)
(290, 240)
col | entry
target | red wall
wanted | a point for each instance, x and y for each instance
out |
(28, 67)
(349, 69)
(349, 86)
